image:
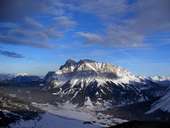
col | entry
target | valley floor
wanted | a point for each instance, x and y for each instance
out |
(66, 115)
(55, 114)
(48, 120)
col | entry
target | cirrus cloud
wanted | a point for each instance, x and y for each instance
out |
(10, 54)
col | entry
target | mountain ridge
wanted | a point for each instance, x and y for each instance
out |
(98, 83)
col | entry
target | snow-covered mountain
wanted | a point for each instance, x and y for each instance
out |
(25, 79)
(90, 82)
(88, 71)
(21, 74)
(161, 80)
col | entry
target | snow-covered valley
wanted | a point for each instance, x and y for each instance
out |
(57, 114)
(85, 115)
(48, 120)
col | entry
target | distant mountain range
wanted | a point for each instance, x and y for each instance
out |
(4, 77)
(20, 79)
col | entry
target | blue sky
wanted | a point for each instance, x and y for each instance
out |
(37, 36)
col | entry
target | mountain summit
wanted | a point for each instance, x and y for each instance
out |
(89, 70)
(90, 82)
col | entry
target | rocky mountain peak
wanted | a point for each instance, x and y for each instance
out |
(96, 81)
(86, 61)
(68, 63)
(71, 62)
(89, 70)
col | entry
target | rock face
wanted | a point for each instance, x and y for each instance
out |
(90, 82)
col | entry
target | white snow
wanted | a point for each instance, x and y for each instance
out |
(22, 74)
(65, 110)
(91, 67)
(48, 120)
(54, 93)
(70, 111)
(160, 78)
(88, 103)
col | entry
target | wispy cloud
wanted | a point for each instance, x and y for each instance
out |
(104, 9)
(10, 54)
(64, 22)
(19, 9)
(35, 34)
(30, 23)
(90, 37)
(27, 29)
(115, 38)
(7, 40)
(126, 24)
(152, 15)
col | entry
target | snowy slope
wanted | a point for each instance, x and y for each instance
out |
(162, 104)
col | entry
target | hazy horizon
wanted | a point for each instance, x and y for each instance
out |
(55, 67)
